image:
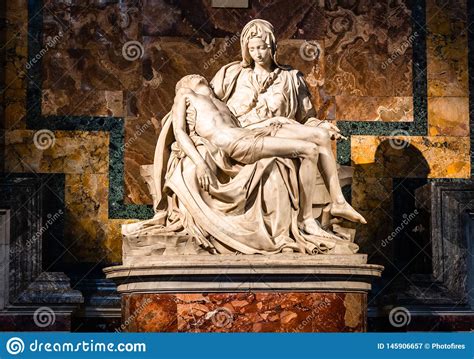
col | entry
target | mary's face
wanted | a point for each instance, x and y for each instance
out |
(259, 51)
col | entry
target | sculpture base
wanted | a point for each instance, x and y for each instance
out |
(245, 312)
(279, 293)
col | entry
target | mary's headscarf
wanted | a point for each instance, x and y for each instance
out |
(261, 29)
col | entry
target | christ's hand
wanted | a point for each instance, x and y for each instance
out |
(205, 177)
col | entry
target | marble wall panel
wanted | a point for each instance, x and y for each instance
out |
(447, 71)
(85, 218)
(70, 103)
(361, 38)
(141, 135)
(92, 24)
(14, 106)
(448, 116)
(64, 152)
(199, 20)
(14, 62)
(86, 195)
(308, 57)
(387, 109)
(85, 228)
(447, 48)
(15, 46)
(90, 70)
(90, 236)
(411, 156)
(113, 240)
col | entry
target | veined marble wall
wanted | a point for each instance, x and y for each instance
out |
(393, 74)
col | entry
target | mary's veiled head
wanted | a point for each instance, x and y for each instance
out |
(261, 29)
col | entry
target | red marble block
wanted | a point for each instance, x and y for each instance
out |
(245, 312)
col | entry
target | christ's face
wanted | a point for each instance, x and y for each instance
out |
(199, 83)
(259, 51)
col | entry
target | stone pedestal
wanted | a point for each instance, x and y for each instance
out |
(31, 297)
(242, 293)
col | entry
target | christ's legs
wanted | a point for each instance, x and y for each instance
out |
(308, 152)
(320, 136)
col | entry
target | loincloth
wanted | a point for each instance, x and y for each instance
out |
(245, 148)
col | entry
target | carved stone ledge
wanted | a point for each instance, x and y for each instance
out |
(50, 288)
(239, 273)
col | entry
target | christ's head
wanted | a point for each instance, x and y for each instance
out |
(192, 82)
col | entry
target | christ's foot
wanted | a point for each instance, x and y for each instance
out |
(346, 211)
(310, 226)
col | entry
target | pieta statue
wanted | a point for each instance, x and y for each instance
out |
(242, 165)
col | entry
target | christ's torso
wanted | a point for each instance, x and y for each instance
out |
(214, 121)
